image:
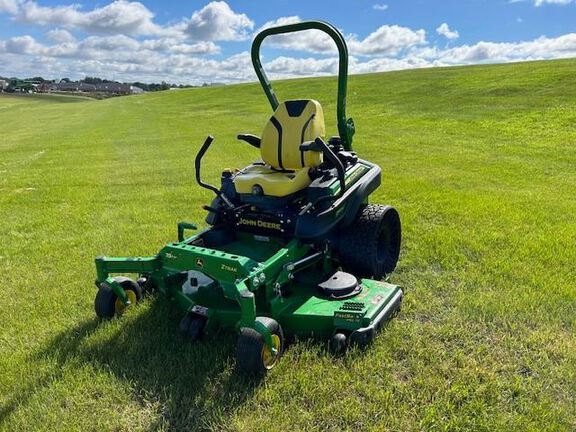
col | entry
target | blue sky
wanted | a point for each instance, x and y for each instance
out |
(201, 41)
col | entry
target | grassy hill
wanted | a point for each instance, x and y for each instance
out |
(480, 161)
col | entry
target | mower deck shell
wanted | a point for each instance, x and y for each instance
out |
(262, 275)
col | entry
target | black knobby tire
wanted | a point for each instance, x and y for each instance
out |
(185, 324)
(370, 246)
(249, 358)
(364, 339)
(105, 301)
(338, 343)
(192, 326)
(146, 285)
(196, 328)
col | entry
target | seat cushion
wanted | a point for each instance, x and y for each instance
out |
(273, 182)
(293, 123)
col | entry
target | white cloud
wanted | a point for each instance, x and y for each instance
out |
(175, 68)
(117, 48)
(9, 6)
(60, 36)
(117, 17)
(538, 49)
(482, 52)
(309, 40)
(444, 30)
(170, 45)
(285, 67)
(388, 64)
(216, 21)
(127, 59)
(386, 40)
(110, 43)
(556, 2)
(23, 45)
(120, 17)
(380, 7)
(121, 41)
(539, 3)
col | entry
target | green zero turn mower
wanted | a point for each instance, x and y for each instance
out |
(293, 246)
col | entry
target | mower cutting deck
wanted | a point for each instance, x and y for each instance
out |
(293, 245)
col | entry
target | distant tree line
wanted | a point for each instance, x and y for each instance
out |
(149, 87)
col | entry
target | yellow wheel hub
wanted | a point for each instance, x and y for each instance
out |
(268, 357)
(120, 307)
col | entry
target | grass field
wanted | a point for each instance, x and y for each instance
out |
(480, 162)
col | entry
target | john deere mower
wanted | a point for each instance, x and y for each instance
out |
(293, 247)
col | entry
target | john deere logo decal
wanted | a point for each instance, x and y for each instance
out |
(260, 224)
(199, 262)
(170, 255)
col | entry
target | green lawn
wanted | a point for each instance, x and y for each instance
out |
(480, 162)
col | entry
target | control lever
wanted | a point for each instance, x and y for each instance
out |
(319, 145)
(198, 163)
(253, 140)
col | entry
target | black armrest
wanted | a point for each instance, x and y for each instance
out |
(253, 140)
(319, 145)
(310, 146)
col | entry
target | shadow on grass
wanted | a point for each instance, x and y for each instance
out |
(194, 384)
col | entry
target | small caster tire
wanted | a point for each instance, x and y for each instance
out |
(338, 344)
(108, 305)
(146, 285)
(192, 326)
(185, 323)
(362, 340)
(253, 356)
(196, 329)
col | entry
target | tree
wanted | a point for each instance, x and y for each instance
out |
(92, 80)
(143, 86)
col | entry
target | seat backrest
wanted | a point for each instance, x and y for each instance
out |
(293, 123)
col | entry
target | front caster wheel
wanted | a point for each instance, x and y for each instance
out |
(192, 326)
(107, 304)
(253, 356)
(338, 344)
(362, 339)
(146, 284)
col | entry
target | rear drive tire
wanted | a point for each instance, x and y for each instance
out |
(370, 246)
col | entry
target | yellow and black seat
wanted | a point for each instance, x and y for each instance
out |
(285, 168)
